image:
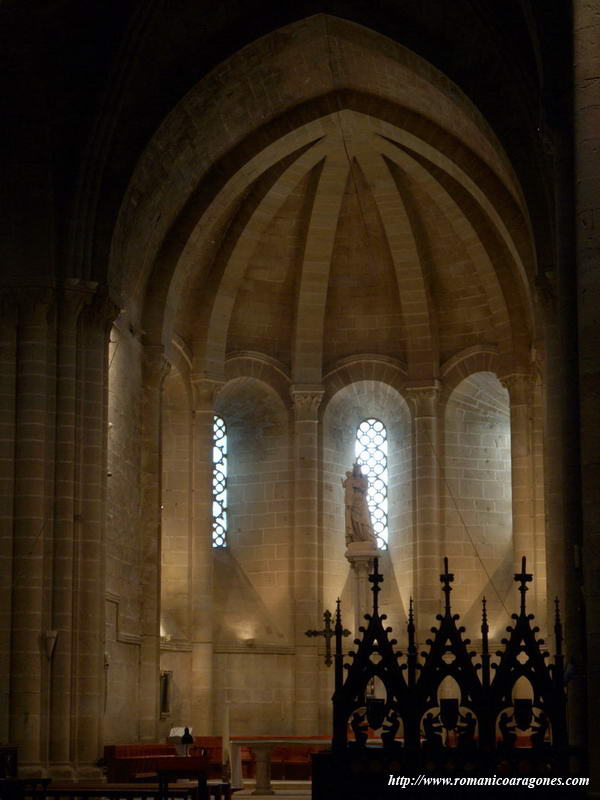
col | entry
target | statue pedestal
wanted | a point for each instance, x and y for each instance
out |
(361, 555)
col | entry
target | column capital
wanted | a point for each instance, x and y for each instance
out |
(205, 391)
(424, 398)
(306, 398)
(30, 301)
(102, 309)
(361, 553)
(520, 387)
(156, 366)
(73, 296)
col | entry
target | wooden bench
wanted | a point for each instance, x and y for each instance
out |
(125, 762)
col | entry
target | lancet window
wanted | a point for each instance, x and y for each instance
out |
(219, 483)
(371, 451)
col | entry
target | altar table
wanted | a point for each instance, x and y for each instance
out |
(262, 747)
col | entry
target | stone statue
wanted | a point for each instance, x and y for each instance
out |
(358, 519)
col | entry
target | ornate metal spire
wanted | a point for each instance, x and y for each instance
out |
(412, 647)
(485, 628)
(339, 656)
(410, 628)
(375, 578)
(523, 578)
(446, 578)
(485, 652)
(558, 635)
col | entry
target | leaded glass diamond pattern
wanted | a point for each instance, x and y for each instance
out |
(219, 478)
(370, 450)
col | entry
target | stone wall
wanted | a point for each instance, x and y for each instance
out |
(477, 499)
(259, 689)
(259, 498)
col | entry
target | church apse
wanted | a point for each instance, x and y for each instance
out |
(296, 224)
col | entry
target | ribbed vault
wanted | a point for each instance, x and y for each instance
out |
(358, 244)
(367, 218)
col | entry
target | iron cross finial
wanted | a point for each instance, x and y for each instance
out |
(375, 578)
(446, 578)
(327, 633)
(523, 578)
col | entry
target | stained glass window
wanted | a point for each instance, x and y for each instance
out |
(371, 451)
(219, 479)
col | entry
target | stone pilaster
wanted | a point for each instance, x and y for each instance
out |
(427, 549)
(89, 569)
(71, 300)
(205, 391)
(586, 25)
(52, 527)
(361, 555)
(562, 524)
(539, 508)
(560, 432)
(32, 530)
(306, 399)
(520, 390)
(8, 360)
(155, 369)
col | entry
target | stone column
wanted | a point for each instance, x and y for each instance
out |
(89, 575)
(155, 369)
(586, 25)
(71, 300)
(564, 566)
(8, 359)
(307, 399)
(520, 390)
(262, 756)
(361, 555)
(427, 551)
(201, 589)
(31, 531)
